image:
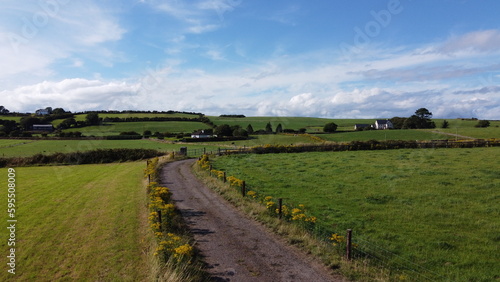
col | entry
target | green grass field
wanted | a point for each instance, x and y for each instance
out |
(312, 124)
(436, 212)
(24, 148)
(400, 134)
(78, 223)
(140, 127)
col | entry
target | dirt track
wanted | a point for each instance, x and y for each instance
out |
(234, 247)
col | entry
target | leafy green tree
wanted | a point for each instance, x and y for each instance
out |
(250, 129)
(27, 122)
(67, 123)
(223, 130)
(92, 119)
(330, 127)
(240, 132)
(279, 128)
(58, 111)
(421, 119)
(482, 123)
(445, 124)
(269, 128)
(147, 133)
(398, 122)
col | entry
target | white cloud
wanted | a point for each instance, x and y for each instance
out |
(71, 94)
(476, 41)
(40, 33)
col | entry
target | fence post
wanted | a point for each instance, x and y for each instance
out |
(224, 179)
(243, 189)
(349, 244)
(280, 208)
(159, 218)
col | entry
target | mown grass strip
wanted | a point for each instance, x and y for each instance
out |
(80, 223)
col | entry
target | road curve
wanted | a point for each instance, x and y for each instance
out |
(234, 247)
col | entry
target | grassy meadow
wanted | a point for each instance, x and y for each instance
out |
(400, 134)
(434, 212)
(140, 127)
(85, 222)
(24, 148)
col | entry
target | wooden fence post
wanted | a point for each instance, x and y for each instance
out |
(243, 189)
(280, 208)
(349, 244)
(159, 218)
(224, 178)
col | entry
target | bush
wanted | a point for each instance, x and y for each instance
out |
(330, 127)
(482, 123)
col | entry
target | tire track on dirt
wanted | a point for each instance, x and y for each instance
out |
(234, 247)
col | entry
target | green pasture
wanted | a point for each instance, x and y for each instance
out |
(140, 127)
(78, 223)
(311, 124)
(81, 117)
(396, 134)
(435, 212)
(31, 147)
(467, 128)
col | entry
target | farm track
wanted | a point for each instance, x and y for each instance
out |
(234, 247)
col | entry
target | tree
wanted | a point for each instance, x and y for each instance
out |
(398, 122)
(92, 119)
(421, 119)
(482, 123)
(269, 128)
(445, 124)
(330, 127)
(223, 130)
(3, 110)
(250, 129)
(67, 123)
(279, 128)
(49, 110)
(58, 111)
(147, 133)
(240, 132)
(27, 122)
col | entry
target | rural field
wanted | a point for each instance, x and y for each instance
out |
(139, 127)
(79, 222)
(433, 213)
(311, 124)
(24, 148)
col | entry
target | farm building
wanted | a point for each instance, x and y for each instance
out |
(42, 112)
(200, 134)
(362, 126)
(383, 124)
(43, 127)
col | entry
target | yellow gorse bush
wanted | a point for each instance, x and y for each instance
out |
(294, 214)
(169, 244)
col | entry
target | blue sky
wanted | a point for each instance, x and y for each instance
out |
(338, 59)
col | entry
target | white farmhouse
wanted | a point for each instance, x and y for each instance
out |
(383, 124)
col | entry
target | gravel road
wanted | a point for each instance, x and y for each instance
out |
(234, 247)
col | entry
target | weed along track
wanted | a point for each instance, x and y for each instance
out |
(234, 247)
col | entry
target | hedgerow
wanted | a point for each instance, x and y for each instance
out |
(98, 156)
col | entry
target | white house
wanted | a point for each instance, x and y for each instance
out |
(383, 124)
(200, 134)
(42, 112)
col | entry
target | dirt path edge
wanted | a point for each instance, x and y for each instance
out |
(234, 247)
